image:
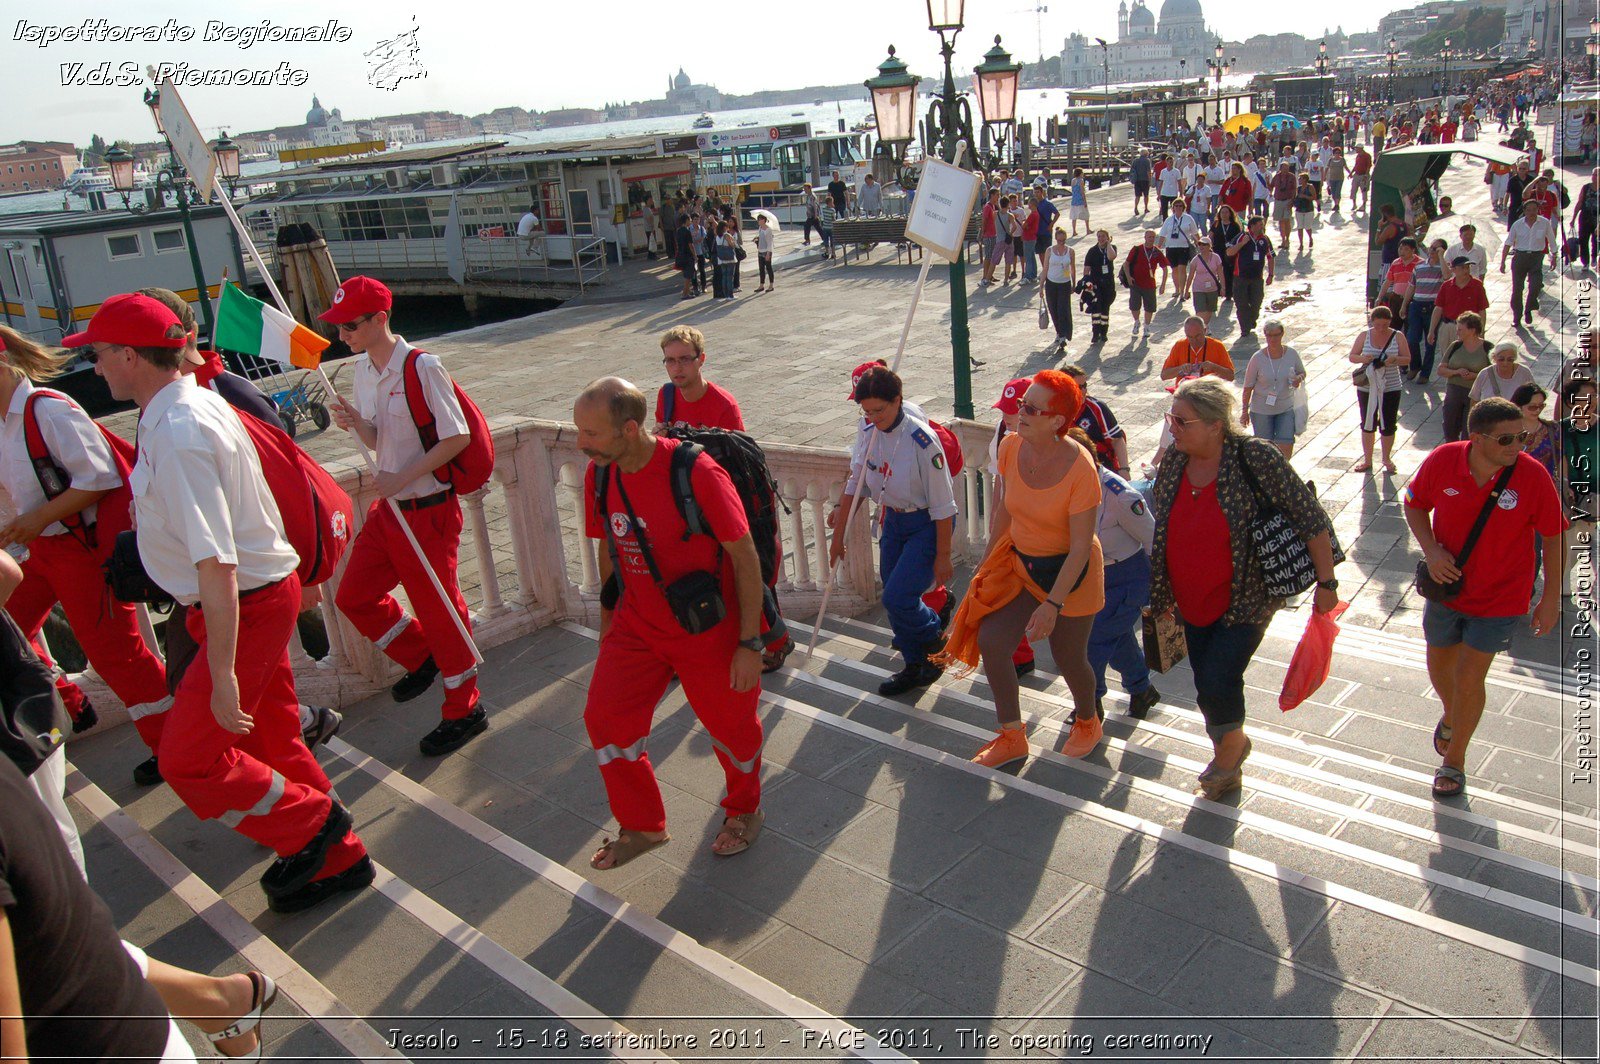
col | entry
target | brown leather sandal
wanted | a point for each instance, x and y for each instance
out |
(744, 829)
(624, 848)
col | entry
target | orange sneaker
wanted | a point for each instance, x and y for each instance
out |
(1008, 746)
(1084, 736)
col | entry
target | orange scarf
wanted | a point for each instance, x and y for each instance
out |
(996, 584)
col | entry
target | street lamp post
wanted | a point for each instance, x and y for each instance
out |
(1322, 76)
(894, 102)
(1105, 57)
(949, 121)
(1445, 55)
(1220, 70)
(177, 180)
(1393, 57)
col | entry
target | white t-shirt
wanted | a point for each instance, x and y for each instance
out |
(1479, 257)
(1179, 231)
(1489, 383)
(380, 397)
(764, 240)
(1171, 181)
(1270, 378)
(198, 493)
(1201, 197)
(72, 439)
(527, 224)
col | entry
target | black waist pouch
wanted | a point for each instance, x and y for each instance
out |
(1043, 569)
(126, 576)
(696, 600)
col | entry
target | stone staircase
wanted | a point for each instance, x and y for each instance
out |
(904, 903)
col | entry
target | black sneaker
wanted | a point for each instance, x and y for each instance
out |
(910, 677)
(453, 734)
(1139, 704)
(415, 682)
(324, 725)
(1023, 668)
(147, 773)
(356, 877)
(87, 718)
(287, 875)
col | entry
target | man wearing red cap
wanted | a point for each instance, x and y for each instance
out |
(380, 558)
(210, 534)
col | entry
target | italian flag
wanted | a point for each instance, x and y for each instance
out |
(250, 327)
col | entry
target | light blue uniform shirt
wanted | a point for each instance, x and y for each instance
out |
(904, 468)
(1125, 526)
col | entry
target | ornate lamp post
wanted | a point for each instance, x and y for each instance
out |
(227, 153)
(949, 121)
(1445, 55)
(1220, 70)
(1393, 57)
(1592, 46)
(894, 104)
(172, 177)
(1322, 76)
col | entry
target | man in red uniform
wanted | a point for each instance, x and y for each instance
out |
(688, 398)
(1456, 484)
(644, 641)
(381, 557)
(210, 534)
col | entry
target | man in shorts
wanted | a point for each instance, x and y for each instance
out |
(1139, 274)
(1455, 484)
(1139, 174)
(1283, 189)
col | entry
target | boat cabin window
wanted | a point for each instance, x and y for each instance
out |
(167, 239)
(124, 246)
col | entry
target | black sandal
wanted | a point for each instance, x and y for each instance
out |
(1449, 782)
(1442, 734)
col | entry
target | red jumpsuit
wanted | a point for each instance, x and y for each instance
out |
(646, 647)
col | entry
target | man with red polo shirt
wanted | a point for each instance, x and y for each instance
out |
(1360, 177)
(1139, 274)
(210, 534)
(688, 398)
(1460, 293)
(1456, 483)
(645, 641)
(381, 556)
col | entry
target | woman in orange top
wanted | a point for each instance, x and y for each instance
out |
(1043, 577)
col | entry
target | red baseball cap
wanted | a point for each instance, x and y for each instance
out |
(1011, 395)
(134, 320)
(857, 373)
(356, 297)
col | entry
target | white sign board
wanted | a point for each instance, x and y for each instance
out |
(187, 140)
(945, 198)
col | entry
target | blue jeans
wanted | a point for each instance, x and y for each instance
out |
(1219, 653)
(1418, 316)
(1111, 641)
(906, 551)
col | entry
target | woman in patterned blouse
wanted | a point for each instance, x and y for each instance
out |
(1205, 503)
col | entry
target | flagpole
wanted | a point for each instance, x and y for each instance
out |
(366, 454)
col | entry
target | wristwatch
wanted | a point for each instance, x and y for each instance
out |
(753, 643)
(1331, 585)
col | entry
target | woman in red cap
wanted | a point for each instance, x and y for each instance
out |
(59, 468)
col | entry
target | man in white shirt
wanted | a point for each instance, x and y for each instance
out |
(210, 534)
(1530, 242)
(381, 556)
(1469, 248)
(529, 229)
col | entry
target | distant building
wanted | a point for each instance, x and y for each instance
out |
(688, 97)
(35, 164)
(1144, 50)
(573, 116)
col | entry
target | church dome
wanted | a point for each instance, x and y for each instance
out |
(1181, 9)
(682, 80)
(1140, 20)
(316, 116)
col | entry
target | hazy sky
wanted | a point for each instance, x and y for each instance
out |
(538, 54)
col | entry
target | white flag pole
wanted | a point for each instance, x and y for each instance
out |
(366, 454)
(872, 440)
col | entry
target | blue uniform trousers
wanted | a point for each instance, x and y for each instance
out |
(1111, 641)
(906, 551)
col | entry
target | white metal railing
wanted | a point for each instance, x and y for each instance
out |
(528, 521)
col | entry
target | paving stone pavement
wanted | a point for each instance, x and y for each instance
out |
(1331, 911)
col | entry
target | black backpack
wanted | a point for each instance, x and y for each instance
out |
(33, 722)
(741, 457)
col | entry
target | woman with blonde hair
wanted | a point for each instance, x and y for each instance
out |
(58, 466)
(1043, 577)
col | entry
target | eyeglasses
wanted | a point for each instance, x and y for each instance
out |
(680, 361)
(352, 326)
(1176, 422)
(1028, 408)
(94, 354)
(1506, 439)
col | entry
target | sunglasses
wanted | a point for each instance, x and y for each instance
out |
(1506, 439)
(352, 326)
(1028, 408)
(93, 356)
(1177, 422)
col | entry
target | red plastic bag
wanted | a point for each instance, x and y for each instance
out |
(1308, 669)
